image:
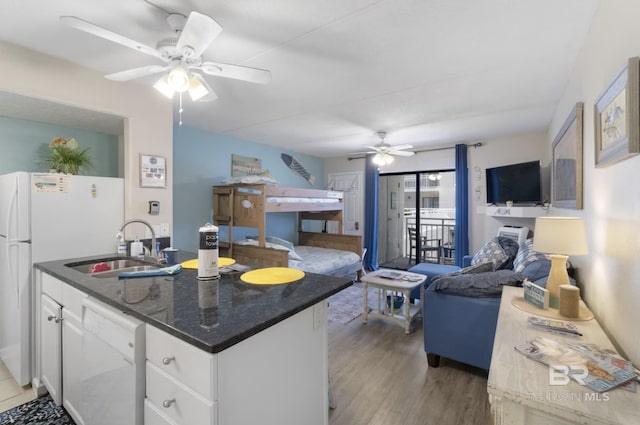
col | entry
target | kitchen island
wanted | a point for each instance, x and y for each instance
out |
(252, 352)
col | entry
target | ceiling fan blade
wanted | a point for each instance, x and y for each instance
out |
(94, 29)
(132, 74)
(197, 34)
(238, 72)
(401, 153)
(375, 149)
(400, 147)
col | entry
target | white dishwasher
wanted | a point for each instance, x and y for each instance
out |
(113, 366)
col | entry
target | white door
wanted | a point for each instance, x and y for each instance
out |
(51, 347)
(352, 215)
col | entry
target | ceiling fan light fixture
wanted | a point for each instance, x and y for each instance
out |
(178, 79)
(163, 86)
(197, 90)
(382, 158)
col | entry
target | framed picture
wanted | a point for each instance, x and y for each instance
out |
(153, 171)
(245, 166)
(616, 117)
(566, 171)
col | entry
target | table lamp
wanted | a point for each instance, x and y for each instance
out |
(559, 237)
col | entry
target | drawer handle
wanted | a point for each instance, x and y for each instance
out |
(167, 360)
(168, 403)
(54, 318)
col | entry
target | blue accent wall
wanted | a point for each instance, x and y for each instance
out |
(202, 159)
(24, 145)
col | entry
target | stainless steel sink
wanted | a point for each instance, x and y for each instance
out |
(111, 267)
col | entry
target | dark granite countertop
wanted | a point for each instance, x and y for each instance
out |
(211, 315)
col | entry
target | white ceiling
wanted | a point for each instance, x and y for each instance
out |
(429, 72)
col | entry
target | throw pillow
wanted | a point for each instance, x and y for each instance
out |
(499, 251)
(526, 255)
(473, 269)
(510, 247)
(488, 284)
(278, 242)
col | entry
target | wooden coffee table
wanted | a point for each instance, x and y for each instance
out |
(388, 282)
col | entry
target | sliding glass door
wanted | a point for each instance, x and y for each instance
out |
(416, 218)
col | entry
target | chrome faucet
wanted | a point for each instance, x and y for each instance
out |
(152, 252)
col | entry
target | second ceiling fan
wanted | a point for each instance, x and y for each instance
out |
(383, 151)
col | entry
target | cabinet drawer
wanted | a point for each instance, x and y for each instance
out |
(72, 300)
(176, 401)
(52, 286)
(193, 367)
(152, 416)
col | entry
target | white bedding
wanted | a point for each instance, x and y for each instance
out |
(331, 262)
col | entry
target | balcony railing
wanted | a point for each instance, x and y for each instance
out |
(437, 231)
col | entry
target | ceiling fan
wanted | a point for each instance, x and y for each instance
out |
(383, 151)
(181, 54)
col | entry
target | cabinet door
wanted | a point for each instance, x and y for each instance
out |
(51, 346)
(71, 361)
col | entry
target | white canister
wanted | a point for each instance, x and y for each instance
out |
(208, 252)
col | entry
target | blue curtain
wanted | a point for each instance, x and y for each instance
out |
(462, 205)
(371, 214)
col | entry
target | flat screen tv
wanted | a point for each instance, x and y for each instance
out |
(519, 183)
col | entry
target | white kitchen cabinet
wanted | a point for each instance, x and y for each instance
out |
(71, 360)
(59, 351)
(278, 376)
(51, 347)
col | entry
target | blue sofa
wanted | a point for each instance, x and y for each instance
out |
(462, 328)
(456, 327)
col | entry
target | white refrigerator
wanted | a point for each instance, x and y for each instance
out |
(47, 217)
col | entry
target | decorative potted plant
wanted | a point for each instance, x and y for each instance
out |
(65, 157)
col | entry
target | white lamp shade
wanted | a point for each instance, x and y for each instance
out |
(382, 158)
(163, 86)
(560, 235)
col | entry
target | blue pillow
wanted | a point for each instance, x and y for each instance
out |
(526, 255)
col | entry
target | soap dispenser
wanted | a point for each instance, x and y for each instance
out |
(137, 249)
(122, 244)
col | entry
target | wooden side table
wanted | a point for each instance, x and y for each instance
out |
(402, 282)
(519, 390)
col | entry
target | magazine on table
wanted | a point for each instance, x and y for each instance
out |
(604, 370)
(554, 326)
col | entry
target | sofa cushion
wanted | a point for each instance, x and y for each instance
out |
(499, 251)
(430, 270)
(526, 255)
(487, 284)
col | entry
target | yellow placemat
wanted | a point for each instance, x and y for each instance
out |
(193, 264)
(272, 276)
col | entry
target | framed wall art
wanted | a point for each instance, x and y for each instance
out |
(616, 117)
(153, 171)
(567, 165)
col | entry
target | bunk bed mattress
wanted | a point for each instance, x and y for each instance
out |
(332, 262)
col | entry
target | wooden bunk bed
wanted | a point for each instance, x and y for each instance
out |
(247, 205)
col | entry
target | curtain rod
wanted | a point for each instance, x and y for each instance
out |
(474, 145)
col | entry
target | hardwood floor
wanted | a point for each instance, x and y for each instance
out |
(380, 377)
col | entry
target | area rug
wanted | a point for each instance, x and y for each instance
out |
(41, 411)
(346, 305)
